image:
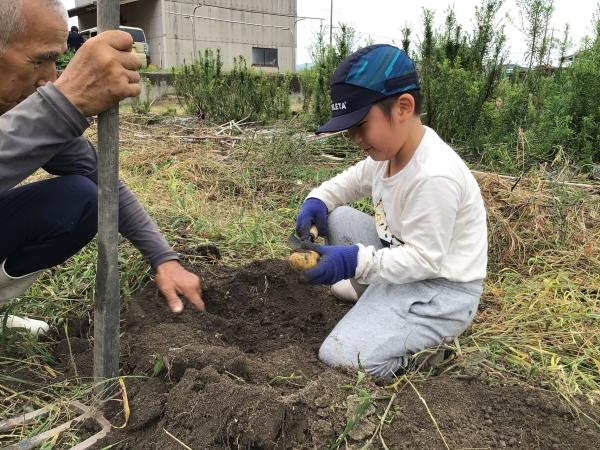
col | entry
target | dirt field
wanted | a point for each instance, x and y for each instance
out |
(245, 374)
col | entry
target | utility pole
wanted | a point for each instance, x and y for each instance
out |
(331, 24)
(107, 302)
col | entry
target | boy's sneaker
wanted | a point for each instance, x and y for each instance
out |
(430, 359)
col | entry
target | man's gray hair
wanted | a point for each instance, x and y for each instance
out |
(12, 20)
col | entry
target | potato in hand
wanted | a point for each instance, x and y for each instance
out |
(301, 260)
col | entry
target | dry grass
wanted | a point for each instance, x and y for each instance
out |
(541, 307)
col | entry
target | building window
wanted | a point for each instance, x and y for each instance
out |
(264, 57)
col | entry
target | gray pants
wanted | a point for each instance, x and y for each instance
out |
(390, 322)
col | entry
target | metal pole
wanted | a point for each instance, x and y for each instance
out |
(194, 30)
(107, 302)
(331, 24)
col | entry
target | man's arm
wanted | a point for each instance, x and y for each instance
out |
(134, 222)
(45, 131)
(79, 157)
(33, 132)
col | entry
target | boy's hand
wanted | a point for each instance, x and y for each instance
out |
(102, 73)
(174, 281)
(337, 262)
(312, 211)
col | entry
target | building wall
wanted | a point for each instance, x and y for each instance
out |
(232, 39)
(169, 33)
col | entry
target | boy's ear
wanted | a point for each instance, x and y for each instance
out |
(404, 106)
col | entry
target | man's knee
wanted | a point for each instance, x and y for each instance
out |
(80, 195)
(80, 190)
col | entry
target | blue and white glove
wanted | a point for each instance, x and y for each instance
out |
(337, 262)
(312, 211)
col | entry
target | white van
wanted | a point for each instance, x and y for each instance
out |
(140, 46)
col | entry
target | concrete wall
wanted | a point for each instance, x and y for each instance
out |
(169, 33)
(231, 38)
(156, 86)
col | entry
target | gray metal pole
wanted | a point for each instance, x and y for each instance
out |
(194, 51)
(194, 30)
(107, 302)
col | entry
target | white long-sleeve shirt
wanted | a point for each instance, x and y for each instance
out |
(431, 213)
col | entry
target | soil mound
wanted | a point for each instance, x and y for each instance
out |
(245, 375)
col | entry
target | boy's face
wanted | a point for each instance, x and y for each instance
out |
(382, 135)
(378, 135)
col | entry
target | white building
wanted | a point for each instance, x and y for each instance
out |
(262, 31)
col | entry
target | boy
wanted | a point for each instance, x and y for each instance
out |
(416, 270)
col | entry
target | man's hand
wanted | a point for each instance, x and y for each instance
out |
(173, 280)
(102, 73)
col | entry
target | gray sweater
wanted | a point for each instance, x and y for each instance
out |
(45, 131)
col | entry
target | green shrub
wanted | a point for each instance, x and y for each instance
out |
(64, 59)
(211, 93)
(316, 81)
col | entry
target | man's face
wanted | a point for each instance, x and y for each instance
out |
(30, 60)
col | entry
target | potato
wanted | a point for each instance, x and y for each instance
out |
(302, 260)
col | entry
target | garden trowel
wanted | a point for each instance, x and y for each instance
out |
(302, 259)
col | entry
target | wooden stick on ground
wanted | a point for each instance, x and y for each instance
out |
(594, 188)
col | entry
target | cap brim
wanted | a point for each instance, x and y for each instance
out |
(345, 121)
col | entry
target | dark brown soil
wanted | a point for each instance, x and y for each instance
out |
(245, 375)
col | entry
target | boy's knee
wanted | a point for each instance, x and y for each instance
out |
(335, 353)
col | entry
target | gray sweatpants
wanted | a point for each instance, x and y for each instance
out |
(390, 322)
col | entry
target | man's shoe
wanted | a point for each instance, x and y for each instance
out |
(12, 287)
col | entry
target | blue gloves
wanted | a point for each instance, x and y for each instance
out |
(312, 211)
(337, 262)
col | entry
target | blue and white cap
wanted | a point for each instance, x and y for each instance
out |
(364, 78)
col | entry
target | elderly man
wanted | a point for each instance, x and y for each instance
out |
(42, 119)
